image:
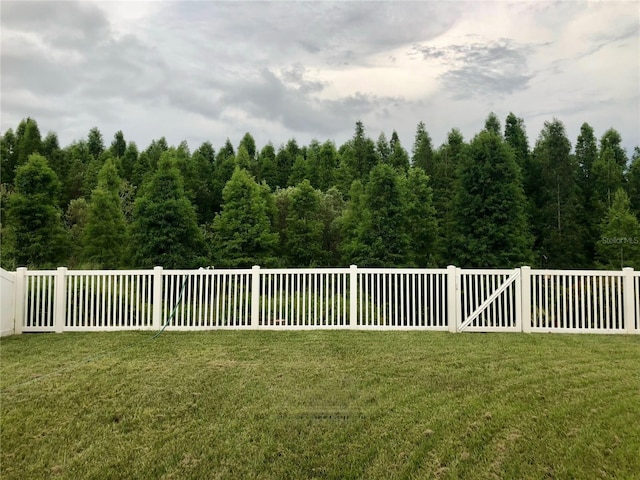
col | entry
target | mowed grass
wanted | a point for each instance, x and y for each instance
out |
(319, 404)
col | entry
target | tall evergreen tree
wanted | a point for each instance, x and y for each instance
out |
(444, 184)
(267, 169)
(8, 156)
(492, 124)
(35, 219)
(398, 158)
(118, 145)
(516, 137)
(95, 143)
(619, 245)
(633, 181)
(304, 227)
(242, 233)
(490, 206)
(104, 236)
(223, 169)
(382, 238)
(555, 201)
(164, 230)
(29, 140)
(421, 219)
(422, 150)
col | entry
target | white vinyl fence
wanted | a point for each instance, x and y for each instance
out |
(451, 299)
(7, 295)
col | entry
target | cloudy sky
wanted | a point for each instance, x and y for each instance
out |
(204, 71)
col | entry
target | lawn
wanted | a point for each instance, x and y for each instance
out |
(319, 404)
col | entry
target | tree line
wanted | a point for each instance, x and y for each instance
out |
(491, 201)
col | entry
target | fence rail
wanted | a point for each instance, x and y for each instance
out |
(450, 299)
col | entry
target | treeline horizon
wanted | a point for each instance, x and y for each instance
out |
(493, 201)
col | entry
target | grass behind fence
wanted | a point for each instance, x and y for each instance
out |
(319, 404)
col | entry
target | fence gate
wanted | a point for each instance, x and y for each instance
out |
(489, 301)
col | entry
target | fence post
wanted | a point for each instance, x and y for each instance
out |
(452, 298)
(156, 320)
(353, 296)
(60, 300)
(525, 298)
(19, 299)
(255, 296)
(629, 300)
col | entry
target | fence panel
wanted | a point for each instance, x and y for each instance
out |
(577, 301)
(109, 300)
(402, 299)
(206, 299)
(39, 295)
(304, 298)
(7, 308)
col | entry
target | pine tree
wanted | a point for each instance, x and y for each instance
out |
(399, 158)
(95, 143)
(421, 219)
(164, 230)
(242, 233)
(304, 227)
(490, 206)
(444, 184)
(619, 245)
(633, 182)
(28, 140)
(555, 201)
(516, 137)
(104, 235)
(422, 150)
(8, 156)
(35, 219)
(381, 231)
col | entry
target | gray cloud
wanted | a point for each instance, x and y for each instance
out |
(476, 69)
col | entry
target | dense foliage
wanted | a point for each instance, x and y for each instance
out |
(491, 201)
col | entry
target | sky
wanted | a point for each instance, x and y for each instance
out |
(207, 71)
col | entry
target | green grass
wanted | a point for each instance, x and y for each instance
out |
(278, 405)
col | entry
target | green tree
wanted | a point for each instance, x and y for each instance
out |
(249, 145)
(128, 161)
(223, 169)
(164, 230)
(76, 218)
(304, 227)
(586, 155)
(29, 140)
(444, 183)
(242, 233)
(8, 156)
(95, 143)
(422, 154)
(516, 137)
(633, 181)
(118, 145)
(492, 124)
(421, 219)
(332, 206)
(267, 169)
(619, 245)
(382, 238)
(34, 217)
(490, 206)
(104, 235)
(555, 200)
(358, 155)
(399, 158)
